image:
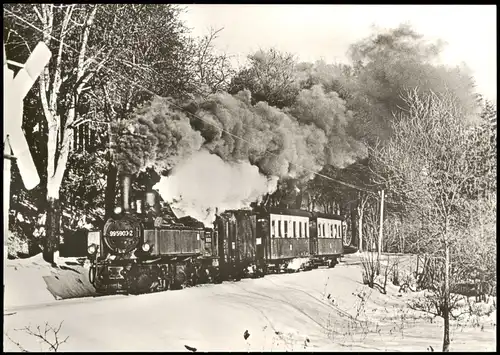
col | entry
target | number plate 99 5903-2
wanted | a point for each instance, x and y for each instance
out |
(123, 233)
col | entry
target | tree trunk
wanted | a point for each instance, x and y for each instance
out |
(446, 304)
(52, 226)
(110, 197)
(354, 234)
(360, 229)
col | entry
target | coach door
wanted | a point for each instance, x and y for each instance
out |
(313, 237)
(261, 238)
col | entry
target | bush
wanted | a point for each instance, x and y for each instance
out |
(17, 245)
(370, 268)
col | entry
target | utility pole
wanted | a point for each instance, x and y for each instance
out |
(7, 156)
(380, 232)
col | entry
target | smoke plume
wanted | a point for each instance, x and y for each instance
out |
(155, 135)
(204, 181)
(327, 112)
(273, 141)
(237, 151)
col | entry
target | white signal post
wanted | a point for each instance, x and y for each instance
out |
(15, 144)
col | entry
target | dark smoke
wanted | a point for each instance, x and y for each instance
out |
(155, 135)
(275, 142)
(328, 112)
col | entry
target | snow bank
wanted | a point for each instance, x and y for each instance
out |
(33, 281)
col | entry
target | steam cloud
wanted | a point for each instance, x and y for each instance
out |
(221, 170)
(204, 181)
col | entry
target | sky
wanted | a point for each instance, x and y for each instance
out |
(315, 32)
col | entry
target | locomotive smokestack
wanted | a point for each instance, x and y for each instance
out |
(126, 182)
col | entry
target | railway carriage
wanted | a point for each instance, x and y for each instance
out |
(240, 248)
(326, 241)
(287, 237)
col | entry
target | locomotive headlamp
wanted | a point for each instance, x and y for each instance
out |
(92, 249)
(118, 210)
(146, 247)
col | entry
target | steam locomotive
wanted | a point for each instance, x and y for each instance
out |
(145, 248)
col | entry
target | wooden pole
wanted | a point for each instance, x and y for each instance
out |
(7, 151)
(380, 232)
(6, 203)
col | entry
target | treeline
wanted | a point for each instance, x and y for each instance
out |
(321, 128)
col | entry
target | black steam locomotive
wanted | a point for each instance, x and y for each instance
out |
(145, 248)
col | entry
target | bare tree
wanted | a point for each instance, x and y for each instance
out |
(437, 167)
(212, 70)
(66, 30)
(145, 44)
(362, 201)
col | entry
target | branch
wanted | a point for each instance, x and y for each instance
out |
(55, 345)
(39, 15)
(21, 37)
(56, 82)
(16, 343)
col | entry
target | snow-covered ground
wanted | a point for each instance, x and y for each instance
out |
(318, 310)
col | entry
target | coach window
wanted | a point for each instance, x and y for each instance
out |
(332, 235)
(273, 228)
(300, 229)
(324, 234)
(286, 228)
(336, 231)
(279, 228)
